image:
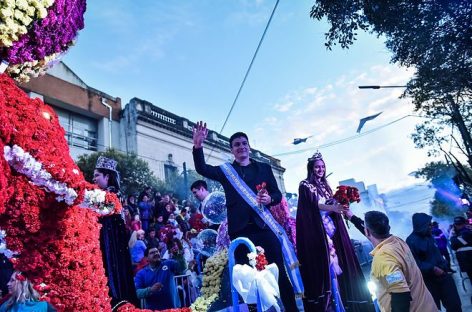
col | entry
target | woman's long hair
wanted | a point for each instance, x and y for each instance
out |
(321, 185)
(22, 290)
(134, 238)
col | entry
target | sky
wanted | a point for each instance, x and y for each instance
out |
(189, 57)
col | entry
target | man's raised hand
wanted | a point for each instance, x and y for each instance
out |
(200, 133)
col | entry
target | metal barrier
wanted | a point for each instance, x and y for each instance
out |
(184, 289)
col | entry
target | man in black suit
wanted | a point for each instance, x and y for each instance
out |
(243, 221)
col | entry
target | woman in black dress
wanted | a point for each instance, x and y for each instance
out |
(114, 239)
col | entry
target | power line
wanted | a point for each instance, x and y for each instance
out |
(342, 140)
(250, 66)
(247, 71)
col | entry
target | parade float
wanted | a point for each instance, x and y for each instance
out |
(48, 212)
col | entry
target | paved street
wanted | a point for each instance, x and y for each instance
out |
(466, 293)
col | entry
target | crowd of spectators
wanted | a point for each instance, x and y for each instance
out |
(161, 223)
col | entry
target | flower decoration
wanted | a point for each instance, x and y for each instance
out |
(101, 202)
(35, 33)
(346, 195)
(257, 259)
(16, 16)
(281, 214)
(56, 244)
(252, 258)
(25, 164)
(261, 261)
(20, 277)
(222, 239)
(212, 273)
(261, 190)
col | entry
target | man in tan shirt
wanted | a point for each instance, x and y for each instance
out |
(400, 285)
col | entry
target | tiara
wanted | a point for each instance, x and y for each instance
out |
(106, 163)
(316, 156)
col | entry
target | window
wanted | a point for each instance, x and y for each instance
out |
(81, 131)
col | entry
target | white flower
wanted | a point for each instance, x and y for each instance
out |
(75, 171)
(26, 164)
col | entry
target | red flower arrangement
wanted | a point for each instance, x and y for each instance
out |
(261, 261)
(20, 277)
(58, 245)
(261, 190)
(346, 195)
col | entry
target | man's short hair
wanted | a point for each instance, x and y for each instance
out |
(237, 135)
(378, 224)
(198, 184)
(146, 252)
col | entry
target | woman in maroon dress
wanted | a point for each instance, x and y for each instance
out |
(331, 273)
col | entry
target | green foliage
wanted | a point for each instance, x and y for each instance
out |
(135, 173)
(440, 209)
(447, 198)
(434, 37)
(435, 171)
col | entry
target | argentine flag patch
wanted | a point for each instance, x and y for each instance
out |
(394, 277)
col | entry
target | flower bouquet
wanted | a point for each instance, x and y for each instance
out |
(261, 190)
(346, 195)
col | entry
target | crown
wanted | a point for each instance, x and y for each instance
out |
(106, 163)
(316, 156)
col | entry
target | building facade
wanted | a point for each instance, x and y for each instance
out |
(94, 121)
(84, 112)
(164, 140)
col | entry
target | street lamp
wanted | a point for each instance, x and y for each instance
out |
(379, 87)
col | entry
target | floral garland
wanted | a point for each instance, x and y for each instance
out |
(212, 274)
(16, 16)
(222, 239)
(23, 72)
(25, 164)
(46, 39)
(281, 214)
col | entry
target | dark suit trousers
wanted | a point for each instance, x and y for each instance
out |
(266, 239)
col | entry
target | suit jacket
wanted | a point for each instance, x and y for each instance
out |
(240, 214)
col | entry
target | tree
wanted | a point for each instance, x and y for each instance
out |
(435, 38)
(447, 198)
(135, 173)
